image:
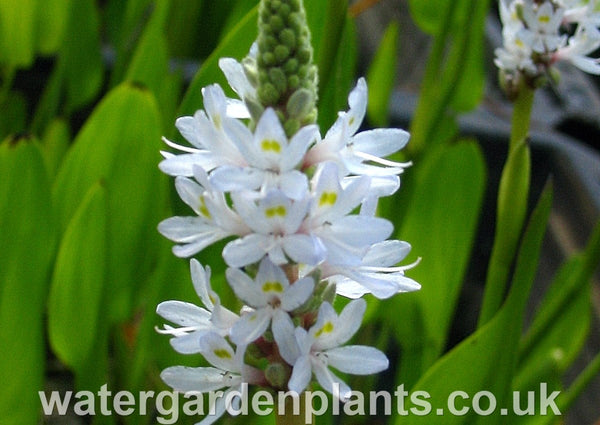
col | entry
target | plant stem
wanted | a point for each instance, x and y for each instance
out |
(513, 195)
(521, 118)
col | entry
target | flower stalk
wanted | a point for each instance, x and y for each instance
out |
(260, 173)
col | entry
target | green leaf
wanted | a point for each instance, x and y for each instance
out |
(14, 113)
(52, 19)
(119, 144)
(27, 238)
(55, 143)
(236, 45)
(486, 360)
(17, 32)
(443, 195)
(454, 77)
(78, 283)
(381, 77)
(552, 334)
(334, 97)
(80, 59)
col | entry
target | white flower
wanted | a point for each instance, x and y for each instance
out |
(542, 23)
(208, 133)
(214, 220)
(314, 351)
(270, 295)
(345, 237)
(271, 159)
(580, 45)
(357, 153)
(228, 372)
(275, 220)
(196, 321)
(377, 273)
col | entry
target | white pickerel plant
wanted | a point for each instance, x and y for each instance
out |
(299, 210)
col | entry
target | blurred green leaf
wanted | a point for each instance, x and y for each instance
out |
(454, 75)
(119, 144)
(52, 20)
(445, 191)
(80, 59)
(17, 32)
(78, 283)
(381, 77)
(486, 360)
(27, 238)
(55, 143)
(334, 97)
(235, 45)
(336, 15)
(552, 333)
(14, 113)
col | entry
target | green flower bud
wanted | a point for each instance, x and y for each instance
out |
(278, 374)
(285, 63)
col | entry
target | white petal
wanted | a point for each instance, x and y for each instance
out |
(245, 288)
(301, 374)
(304, 249)
(342, 328)
(184, 314)
(229, 178)
(283, 332)
(327, 379)
(380, 142)
(357, 359)
(244, 251)
(350, 288)
(357, 100)
(217, 351)
(182, 165)
(190, 343)
(251, 326)
(386, 253)
(294, 184)
(193, 379)
(297, 294)
(236, 77)
(298, 146)
(201, 281)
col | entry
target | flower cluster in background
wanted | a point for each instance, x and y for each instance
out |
(298, 209)
(537, 34)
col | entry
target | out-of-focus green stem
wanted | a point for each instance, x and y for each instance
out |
(513, 194)
(521, 118)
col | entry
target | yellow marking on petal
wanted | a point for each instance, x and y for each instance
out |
(272, 287)
(519, 43)
(271, 145)
(544, 19)
(279, 210)
(327, 328)
(222, 353)
(217, 121)
(327, 198)
(212, 299)
(203, 209)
